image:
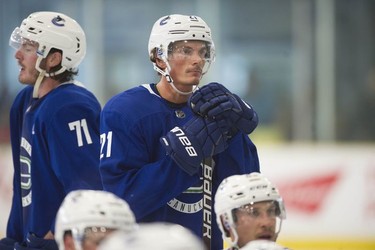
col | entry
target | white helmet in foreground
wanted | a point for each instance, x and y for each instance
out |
(173, 28)
(155, 236)
(241, 190)
(263, 245)
(92, 211)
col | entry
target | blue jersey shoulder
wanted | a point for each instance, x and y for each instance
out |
(135, 103)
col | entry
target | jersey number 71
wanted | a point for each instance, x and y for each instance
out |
(80, 126)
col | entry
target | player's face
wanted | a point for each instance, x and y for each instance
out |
(257, 221)
(94, 236)
(69, 242)
(26, 57)
(187, 59)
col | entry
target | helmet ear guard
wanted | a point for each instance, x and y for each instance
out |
(224, 221)
(160, 53)
(156, 56)
(156, 53)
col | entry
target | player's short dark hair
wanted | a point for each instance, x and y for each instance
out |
(153, 55)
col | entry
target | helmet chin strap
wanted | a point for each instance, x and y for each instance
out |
(233, 243)
(279, 229)
(37, 84)
(42, 74)
(39, 80)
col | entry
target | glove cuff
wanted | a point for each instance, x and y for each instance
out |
(7, 243)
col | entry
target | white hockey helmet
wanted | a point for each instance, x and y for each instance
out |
(53, 30)
(156, 236)
(240, 190)
(262, 245)
(86, 209)
(176, 27)
(172, 28)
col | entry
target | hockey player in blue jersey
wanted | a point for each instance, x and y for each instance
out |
(54, 125)
(154, 137)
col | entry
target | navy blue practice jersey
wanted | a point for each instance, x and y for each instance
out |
(134, 164)
(55, 146)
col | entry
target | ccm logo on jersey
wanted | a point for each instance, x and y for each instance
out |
(184, 141)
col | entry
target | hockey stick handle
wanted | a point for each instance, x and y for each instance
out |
(208, 165)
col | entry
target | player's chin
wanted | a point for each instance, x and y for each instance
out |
(195, 74)
(22, 79)
(194, 80)
(29, 80)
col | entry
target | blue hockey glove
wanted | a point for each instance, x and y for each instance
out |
(33, 242)
(217, 102)
(7, 244)
(197, 139)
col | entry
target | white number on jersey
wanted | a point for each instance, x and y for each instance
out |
(79, 126)
(105, 141)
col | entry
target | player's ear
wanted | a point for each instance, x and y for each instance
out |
(160, 63)
(155, 59)
(54, 59)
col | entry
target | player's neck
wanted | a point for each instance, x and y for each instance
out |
(168, 93)
(47, 85)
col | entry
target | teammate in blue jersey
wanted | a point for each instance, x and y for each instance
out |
(154, 137)
(54, 125)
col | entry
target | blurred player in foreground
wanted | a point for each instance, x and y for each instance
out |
(248, 207)
(54, 128)
(263, 245)
(86, 217)
(155, 236)
(155, 137)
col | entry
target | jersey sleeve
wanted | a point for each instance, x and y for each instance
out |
(241, 154)
(142, 175)
(241, 157)
(73, 146)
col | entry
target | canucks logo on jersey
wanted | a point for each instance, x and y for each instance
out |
(25, 163)
(190, 206)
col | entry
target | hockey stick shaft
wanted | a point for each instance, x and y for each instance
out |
(208, 165)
